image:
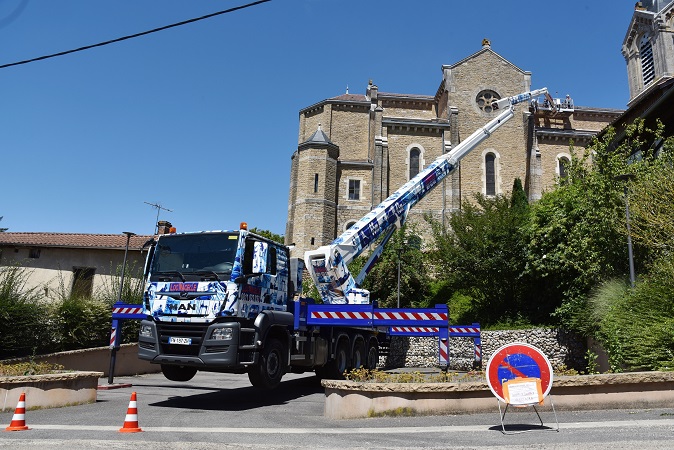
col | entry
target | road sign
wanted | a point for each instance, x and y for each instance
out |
(518, 360)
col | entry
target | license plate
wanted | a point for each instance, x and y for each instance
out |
(180, 341)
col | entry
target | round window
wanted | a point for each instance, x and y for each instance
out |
(486, 100)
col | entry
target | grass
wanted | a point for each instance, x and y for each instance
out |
(379, 376)
(28, 368)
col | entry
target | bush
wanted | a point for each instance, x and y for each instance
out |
(635, 326)
(23, 316)
(81, 323)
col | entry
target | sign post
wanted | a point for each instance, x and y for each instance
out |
(519, 374)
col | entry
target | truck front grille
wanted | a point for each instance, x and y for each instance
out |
(195, 332)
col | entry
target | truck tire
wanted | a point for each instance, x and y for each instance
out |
(178, 373)
(268, 373)
(372, 356)
(358, 357)
(334, 369)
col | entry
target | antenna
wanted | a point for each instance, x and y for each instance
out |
(159, 208)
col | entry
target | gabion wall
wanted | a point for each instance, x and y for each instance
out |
(563, 349)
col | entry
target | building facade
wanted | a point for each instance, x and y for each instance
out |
(356, 150)
(648, 49)
(63, 264)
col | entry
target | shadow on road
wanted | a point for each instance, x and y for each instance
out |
(245, 398)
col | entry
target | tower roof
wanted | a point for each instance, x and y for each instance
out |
(319, 137)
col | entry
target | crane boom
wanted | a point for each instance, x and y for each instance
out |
(327, 265)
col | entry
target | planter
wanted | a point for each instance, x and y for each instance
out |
(351, 399)
(49, 391)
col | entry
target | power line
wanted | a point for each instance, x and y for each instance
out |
(100, 44)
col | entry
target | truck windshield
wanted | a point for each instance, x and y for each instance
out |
(193, 253)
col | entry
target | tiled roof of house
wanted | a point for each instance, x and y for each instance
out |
(72, 240)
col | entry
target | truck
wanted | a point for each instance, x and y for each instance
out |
(231, 301)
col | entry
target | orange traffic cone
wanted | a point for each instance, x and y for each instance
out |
(18, 422)
(131, 419)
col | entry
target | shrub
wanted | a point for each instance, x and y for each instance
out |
(23, 316)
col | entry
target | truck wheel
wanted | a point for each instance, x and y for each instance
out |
(358, 357)
(342, 362)
(373, 356)
(334, 369)
(268, 373)
(178, 373)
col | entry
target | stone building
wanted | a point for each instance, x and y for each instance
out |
(648, 49)
(356, 149)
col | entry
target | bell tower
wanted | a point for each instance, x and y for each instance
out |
(648, 47)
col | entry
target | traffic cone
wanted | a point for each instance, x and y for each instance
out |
(131, 419)
(18, 422)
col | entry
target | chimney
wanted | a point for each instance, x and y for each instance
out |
(163, 227)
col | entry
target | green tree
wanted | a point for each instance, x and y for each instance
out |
(651, 205)
(576, 232)
(382, 281)
(481, 259)
(268, 234)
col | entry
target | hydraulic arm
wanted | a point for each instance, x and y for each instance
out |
(328, 264)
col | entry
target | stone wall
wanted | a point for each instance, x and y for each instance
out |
(563, 349)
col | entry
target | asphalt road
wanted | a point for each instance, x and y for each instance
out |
(224, 411)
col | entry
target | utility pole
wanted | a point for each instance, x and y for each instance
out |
(159, 208)
(626, 178)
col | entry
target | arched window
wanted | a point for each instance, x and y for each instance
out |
(415, 162)
(563, 167)
(647, 65)
(490, 173)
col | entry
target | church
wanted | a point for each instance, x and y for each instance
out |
(354, 150)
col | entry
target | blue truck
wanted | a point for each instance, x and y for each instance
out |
(230, 301)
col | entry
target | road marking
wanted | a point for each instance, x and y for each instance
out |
(384, 430)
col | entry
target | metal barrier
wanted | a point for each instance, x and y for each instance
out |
(120, 312)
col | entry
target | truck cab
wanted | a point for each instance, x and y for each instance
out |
(211, 298)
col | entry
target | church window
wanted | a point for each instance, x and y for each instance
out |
(563, 167)
(647, 64)
(354, 189)
(415, 160)
(315, 183)
(490, 173)
(486, 100)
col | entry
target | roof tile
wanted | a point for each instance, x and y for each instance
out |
(76, 240)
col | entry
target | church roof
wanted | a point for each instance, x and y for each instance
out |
(485, 49)
(351, 98)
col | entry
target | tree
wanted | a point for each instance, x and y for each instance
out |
(382, 281)
(481, 258)
(268, 234)
(2, 230)
(651, 205)
(576, 232)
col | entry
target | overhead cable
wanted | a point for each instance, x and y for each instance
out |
(100, 44)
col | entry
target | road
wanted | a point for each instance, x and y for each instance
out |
(224, 411)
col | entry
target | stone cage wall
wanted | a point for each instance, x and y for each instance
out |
(564, 350)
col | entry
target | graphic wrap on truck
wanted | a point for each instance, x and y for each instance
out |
(192, 256)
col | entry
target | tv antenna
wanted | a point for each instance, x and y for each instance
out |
(159, 208)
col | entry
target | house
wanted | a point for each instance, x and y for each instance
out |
(74, 263)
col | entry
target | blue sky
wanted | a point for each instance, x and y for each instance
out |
(203, 118)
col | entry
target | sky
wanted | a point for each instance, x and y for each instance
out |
(203, 119)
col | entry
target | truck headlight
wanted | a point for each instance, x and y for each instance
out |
(145, 330)
(222, 334)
